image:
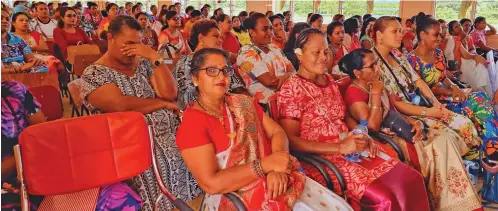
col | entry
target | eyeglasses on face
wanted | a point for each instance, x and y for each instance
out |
(71, 15)
(214, 71)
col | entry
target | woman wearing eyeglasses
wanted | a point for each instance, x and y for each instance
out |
(230, 145)
(205, 34)
(67, 33)
(171, 37)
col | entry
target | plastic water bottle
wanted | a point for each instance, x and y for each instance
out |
(359, 129)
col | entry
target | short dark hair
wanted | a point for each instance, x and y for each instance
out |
(201, 27)
(268, 12)
(350, 25)
(250, 23)
(286, 13)
(195, 13)
(199, 58)
(332, 26)
(189, 8)
(152, 6)
(139, 14)
(366, 16)
(50, 4)
(353, 61)
(128, 3)
(117, 23)
(315, 17)
(272, 18)
(450, 26)
(243, 13)
(171, 7)
(221, 18)
(479, 20)
(178, 3)
(134, 7)
(207, 5)
(424, 25)
(109, 6)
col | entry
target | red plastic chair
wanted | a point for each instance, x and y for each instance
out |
(50, 100)
(74, 156)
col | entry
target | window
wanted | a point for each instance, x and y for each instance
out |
(301, 10)
(280, 6)
(386, 7)
(238, 6)
(357, 7)
(488, 9)
(449, 10)
(328, 8)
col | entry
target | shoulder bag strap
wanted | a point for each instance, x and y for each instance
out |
(392, 73)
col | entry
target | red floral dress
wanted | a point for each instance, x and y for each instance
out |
(295, 103)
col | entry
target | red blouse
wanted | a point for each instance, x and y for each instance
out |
(64, 39)
(354, 94)
(231, 44)
(199, 128)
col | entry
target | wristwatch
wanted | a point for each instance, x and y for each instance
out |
(157, 62)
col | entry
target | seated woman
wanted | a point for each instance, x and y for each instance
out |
(335, 35)
(17, 57)
(36, 42)
(92, 14)
(262, 65)
(479, 36)
(279, 35)
(228, 40)
(227, 137)
(130, 76)
(366, 41)
(291, 43)
(316, 21)
(149, 36)
(205, 34)
(240, 32)
(351, 40)
(429, 63)
(472, 65)
(171, 37)
(312, 113)
(443, 34)
(67, 33)
(112, 12)
(467, 40)
(366, 99)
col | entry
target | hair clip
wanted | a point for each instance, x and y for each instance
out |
(298, 51)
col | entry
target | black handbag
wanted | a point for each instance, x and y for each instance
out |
(399, 125)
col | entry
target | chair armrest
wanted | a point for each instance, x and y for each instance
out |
(385, 139)
(234, 198)
(306, 158)
(333, 168)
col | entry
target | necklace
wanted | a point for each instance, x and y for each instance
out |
(230, 135)
(360, 86)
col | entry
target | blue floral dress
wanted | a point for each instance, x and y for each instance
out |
(13, 53)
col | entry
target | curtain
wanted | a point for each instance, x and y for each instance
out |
(370, 7)
(464, 7)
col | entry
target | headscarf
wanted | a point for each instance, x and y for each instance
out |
(19, 8)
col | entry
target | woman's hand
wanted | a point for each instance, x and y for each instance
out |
(376, 87)
(418, 127)
(33, 62)
(276, 183)
(495, 98)
(373, 149)
(277, 162)
(353, 143)
(458, 95)
(141, 50)
(481, 60)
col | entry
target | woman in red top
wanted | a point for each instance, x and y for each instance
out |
(67, 33)
(149, 36)
(279, 35)
(230, 42)
(230, 145)
(335, 35)
(171, 37)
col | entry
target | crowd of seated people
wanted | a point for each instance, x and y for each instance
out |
(214, 128)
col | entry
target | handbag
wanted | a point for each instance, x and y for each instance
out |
(399, 125)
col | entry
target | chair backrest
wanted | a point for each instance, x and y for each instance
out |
(273, 107)
(50, 100)
(34, 79)
(343, 84)
(75, 87)
(102, 45)
(77, 154)
(86, 49)
(81, 62)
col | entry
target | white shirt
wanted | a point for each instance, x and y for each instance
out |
(46, 29)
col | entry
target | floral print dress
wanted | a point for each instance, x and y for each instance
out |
(254, 62)
(477, 108)
(13, 53)
(459, 123)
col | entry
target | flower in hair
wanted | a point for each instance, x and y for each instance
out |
(298, 51)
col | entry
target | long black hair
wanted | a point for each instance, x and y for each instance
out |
(365, 25)
(169, 15)
(296, 30)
